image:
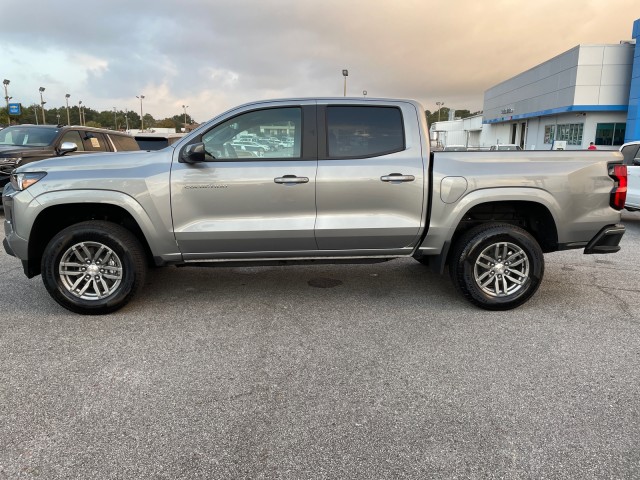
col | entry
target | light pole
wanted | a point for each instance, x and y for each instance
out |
(141, 116)
(439, 104)
(58, 118)
(345, 74)
(80, 112)
(115, 119)
(126, 118)
(66, 97)
(184, 107)
(42, 102)
(6, 82)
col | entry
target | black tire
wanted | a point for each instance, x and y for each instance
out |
(478, 272)
(105, 267)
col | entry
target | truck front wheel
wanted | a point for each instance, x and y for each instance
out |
(497, 266)
(93, 267)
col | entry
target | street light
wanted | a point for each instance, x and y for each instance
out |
(58, 118)
(66, 98)
(141, 116)
(115, 119)
(80, 112)
(184, 107)
(345, 74)
(126, 118)
(439, 104)
(6, 82)
(42, 102)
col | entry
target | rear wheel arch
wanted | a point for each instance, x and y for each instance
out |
(531, 216)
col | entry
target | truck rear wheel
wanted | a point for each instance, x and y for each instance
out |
(497, 266)
(93, 267)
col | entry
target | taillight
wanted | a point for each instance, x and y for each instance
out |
(619, 192)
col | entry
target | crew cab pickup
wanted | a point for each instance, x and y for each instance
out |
(356, 182)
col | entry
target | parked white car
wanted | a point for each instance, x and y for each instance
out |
(631, 153)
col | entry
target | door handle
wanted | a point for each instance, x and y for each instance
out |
(397, 177)
(289, 179)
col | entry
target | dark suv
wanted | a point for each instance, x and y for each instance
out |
(22, 144)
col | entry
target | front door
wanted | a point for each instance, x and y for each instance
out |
(252, 196)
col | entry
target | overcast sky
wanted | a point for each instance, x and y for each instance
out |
(214, 54)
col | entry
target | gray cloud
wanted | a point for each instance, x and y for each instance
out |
(214, 55)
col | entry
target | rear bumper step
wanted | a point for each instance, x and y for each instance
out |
(606, 240)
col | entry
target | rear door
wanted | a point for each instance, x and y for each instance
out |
(370, 181)
(237, 204)
(631, 155)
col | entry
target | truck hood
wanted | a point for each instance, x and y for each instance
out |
(93, 161)
(11, 150)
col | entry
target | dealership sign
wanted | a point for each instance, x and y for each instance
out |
(14, 109)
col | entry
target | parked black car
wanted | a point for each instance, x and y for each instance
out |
(156, 141)
(22, 144)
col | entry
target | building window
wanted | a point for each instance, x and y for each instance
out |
(549, 133)
(610, 133)
(570, 133)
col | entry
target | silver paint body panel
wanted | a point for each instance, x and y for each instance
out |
(235, 210)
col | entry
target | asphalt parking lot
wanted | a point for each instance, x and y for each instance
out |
(371, 371)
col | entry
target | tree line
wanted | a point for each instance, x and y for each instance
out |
(432, 117)
(116, 120)
(119, 121)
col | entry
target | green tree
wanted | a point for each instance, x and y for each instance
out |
(149, 121)
(432, 117)
(166, 123)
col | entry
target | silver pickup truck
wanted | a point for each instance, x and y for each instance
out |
(338, 180)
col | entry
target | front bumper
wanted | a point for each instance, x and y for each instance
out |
(607, 240)
(13, 244)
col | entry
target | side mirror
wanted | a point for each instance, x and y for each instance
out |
(193, 153)
(67, 147)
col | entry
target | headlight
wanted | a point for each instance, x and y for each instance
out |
(22, 181)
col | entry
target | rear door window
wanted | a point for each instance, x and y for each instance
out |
(124, 143)
(95, 142)
(364, 131)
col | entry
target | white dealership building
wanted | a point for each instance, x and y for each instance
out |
(586, 94)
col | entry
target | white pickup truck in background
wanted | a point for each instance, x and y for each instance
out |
(631, 154)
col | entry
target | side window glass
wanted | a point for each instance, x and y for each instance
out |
(73, 136)
(124, 143)
(636, 160)
(269, 133)
(360, 132)
(631, 154)
(95, 142)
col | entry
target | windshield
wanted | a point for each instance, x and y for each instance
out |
(27, 136)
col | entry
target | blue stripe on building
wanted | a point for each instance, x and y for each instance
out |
(633, 115)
